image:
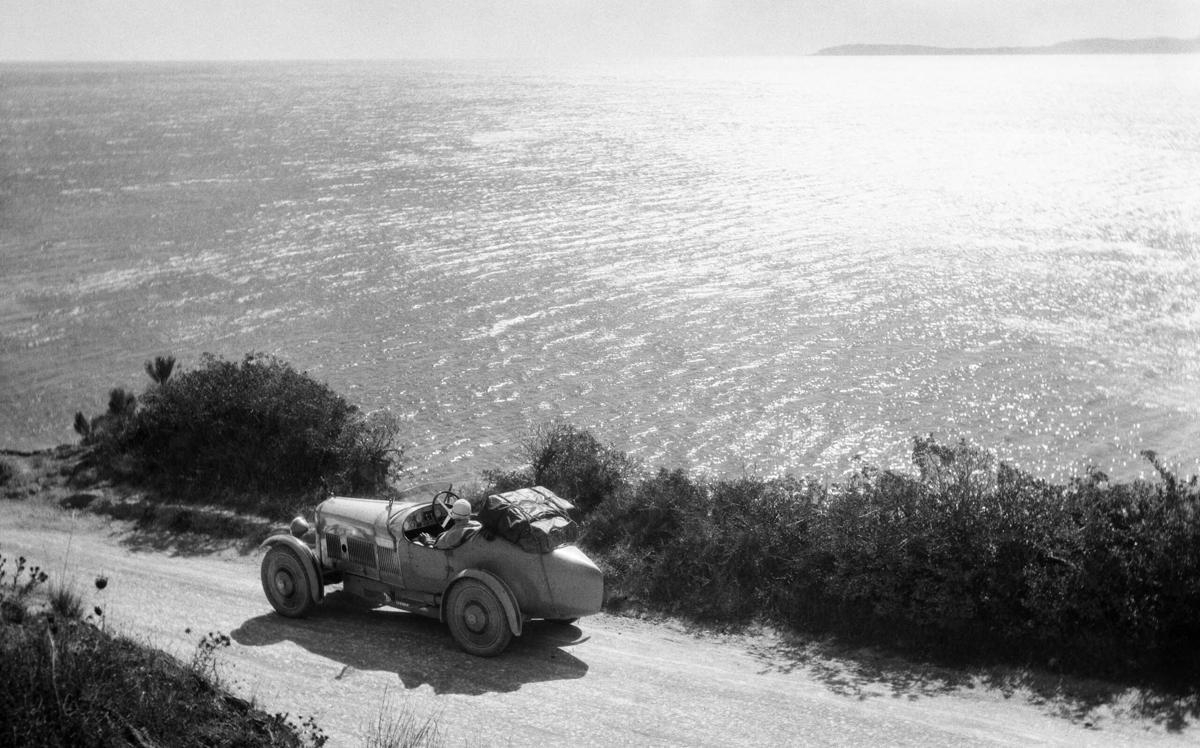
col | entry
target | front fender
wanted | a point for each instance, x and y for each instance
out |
(494, 583)
(312, 567)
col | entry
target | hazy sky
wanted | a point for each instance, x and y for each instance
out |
(312, 29)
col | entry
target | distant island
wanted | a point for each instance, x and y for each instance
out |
(1156, 46)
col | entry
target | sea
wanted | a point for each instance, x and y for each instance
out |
(743, 266)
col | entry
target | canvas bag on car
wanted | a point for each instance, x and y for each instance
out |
(535, 518)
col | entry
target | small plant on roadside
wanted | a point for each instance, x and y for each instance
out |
(204, 659)
(17, 588)
(65, 601)
(400, 727)
(310, 732)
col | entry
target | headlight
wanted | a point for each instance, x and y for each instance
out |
(299, 527)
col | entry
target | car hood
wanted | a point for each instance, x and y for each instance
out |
(360, 516)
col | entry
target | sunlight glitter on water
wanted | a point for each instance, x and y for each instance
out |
(764, 265)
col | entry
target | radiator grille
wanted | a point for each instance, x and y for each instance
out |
(361, 551)
(333, 546)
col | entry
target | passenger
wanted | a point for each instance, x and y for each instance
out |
(464, 527)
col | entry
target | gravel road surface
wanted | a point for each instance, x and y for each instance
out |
(609, 680)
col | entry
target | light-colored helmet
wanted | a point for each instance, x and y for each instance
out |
(461, 510)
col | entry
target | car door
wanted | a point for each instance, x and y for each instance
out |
(427, 568)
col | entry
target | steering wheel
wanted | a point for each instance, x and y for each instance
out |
(441, 504)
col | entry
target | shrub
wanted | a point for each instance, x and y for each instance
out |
(499, 481)
(159, 370)
(105, 431)
(715, 549)
(256, 425)
(83, 426)
(968, 557)
(121, 404)
(648, 515)
(571, 462)
(1126, 574)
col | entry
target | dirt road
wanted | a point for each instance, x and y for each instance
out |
(607, 681)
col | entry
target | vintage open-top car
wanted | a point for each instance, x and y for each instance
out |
(520, 564)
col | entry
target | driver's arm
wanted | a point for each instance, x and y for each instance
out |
(449, 538)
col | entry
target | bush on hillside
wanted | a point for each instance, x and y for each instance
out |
(106, 430)
(569, 461)
(251, 426)
(968, 557)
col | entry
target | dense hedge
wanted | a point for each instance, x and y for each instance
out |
(967, 557)
(255, 426)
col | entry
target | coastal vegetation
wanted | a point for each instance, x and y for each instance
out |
(965, 557)
(254, 434)
(968, 558)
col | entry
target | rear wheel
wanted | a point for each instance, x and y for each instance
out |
(476, 619)
(285, 583)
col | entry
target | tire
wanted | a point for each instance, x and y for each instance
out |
(285, 583)
(476, 619)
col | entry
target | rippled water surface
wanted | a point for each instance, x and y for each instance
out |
(761, 265)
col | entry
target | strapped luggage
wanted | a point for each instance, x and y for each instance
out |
(534, 518)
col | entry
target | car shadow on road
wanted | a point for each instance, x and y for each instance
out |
(865, 673)
(419, 650)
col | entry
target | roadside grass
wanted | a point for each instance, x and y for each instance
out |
(67, 681)
(399, 727)
(65, 601)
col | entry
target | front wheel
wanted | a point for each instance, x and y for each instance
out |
(476, 619)
(285, 583)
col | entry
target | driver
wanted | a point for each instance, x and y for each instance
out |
(464, 527)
